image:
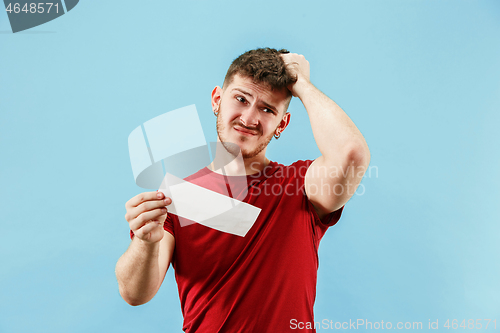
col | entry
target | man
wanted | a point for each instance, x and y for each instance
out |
(266, 280)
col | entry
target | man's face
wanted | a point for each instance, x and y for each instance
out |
(249, 114)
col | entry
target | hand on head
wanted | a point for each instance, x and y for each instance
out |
(298, 66)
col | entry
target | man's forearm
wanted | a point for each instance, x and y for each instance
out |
(334, 132)
(138, 272)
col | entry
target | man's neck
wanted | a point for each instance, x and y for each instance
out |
(229, 165)
(255, 165)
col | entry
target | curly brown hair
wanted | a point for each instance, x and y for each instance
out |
(264, 65)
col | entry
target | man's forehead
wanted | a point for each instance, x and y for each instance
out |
(256, 89)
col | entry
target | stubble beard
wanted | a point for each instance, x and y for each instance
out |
(230, 147)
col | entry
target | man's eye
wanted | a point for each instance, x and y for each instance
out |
(268, 110)
(240, 99)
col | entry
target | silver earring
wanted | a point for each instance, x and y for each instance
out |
(277, 135)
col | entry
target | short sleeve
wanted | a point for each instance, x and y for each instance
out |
(328, 220)
(319, 225)
(169, 223)
(331, 218)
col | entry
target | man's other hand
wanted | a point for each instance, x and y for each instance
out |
(146, 213)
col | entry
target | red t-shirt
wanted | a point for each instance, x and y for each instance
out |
(260, 282)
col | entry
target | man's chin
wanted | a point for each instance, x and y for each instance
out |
(235, 149)
(248, 153)
(231, 148)
(243, 146)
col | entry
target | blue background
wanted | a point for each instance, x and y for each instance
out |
(421, 80)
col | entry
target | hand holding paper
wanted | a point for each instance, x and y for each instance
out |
(146, 213)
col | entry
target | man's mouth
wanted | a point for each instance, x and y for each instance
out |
(245, 131)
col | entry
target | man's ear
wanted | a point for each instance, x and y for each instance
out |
(216, 98)
(284, 122)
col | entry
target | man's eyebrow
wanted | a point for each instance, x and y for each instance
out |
(243, 92)
(249, 94)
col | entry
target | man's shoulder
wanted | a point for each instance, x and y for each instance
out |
(198, 174)
(296, 169)
(297, 165)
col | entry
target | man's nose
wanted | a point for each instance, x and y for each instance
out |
(250, 116)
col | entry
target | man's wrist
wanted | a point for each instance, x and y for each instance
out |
(146, 246)
(301, 87)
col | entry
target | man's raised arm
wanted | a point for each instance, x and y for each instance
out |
(333, 177)
(142, 268)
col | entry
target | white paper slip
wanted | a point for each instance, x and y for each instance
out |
(207, 207)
